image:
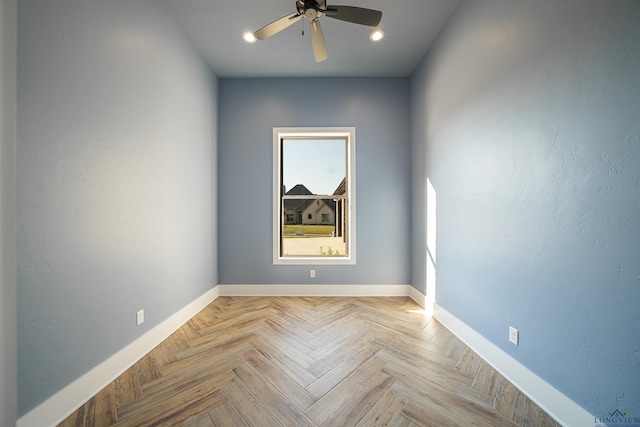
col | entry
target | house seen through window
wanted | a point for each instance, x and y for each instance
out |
(314, 196)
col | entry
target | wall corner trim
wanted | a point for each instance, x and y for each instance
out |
(62, 404)
(560, 407)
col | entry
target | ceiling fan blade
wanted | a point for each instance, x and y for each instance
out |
(277, 26)
(317, 42)
(357, 15)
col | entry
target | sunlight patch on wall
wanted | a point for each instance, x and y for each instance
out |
(431, 243)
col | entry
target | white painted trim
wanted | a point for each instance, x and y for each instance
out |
(59, 406)
(349, 133)
(316, 290)
(420, 299)
(548, 398)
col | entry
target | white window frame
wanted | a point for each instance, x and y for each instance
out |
(349, 133)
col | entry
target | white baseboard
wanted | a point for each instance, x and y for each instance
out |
(316, 290)
(421, 300)
(62, 404)
(548, 398)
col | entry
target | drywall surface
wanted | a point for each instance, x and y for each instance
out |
(526, 124)
(115, 184)
(8, 356)
(249, 110)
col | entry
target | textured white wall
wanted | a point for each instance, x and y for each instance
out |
(116, 182)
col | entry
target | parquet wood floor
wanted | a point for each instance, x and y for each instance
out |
(271, 361)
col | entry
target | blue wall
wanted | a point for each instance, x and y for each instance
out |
(249, 109)
(525, 120)
(116, 183)
(8, 353)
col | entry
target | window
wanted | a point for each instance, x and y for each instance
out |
(314, 195)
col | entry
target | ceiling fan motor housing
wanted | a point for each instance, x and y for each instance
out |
(310, 9)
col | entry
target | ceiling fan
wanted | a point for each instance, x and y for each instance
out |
(314, 9)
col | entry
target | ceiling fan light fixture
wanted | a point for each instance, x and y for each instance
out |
(376, 35)
(249, 37)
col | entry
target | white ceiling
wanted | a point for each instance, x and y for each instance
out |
(215, 28)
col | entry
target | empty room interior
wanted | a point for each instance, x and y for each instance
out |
(487, 192)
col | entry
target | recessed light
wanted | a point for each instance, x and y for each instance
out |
(249, 37)
(376, 36)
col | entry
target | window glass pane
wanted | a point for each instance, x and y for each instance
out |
(313, 167)
(318, 165)
(309, 229)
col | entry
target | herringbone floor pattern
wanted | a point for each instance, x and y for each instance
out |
(257, 361)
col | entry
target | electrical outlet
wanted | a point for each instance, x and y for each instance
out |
(514, 335)
(312, 274)
(140, 317)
